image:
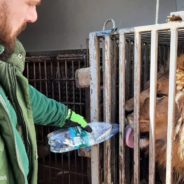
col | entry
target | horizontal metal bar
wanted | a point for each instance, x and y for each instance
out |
(147, 28)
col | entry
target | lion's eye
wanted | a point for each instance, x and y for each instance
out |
(160, 96)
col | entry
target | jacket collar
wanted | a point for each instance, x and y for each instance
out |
(17, 58)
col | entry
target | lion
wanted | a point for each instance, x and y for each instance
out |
(161, 121)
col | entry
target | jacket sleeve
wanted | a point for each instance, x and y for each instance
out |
(47, 111)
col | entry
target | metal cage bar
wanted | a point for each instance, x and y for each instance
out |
(171, 103)
(107, 105)
(94, 99)
(137, 81)
(153, 82)
(122, 62)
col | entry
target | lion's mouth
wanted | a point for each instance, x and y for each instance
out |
(129, 138)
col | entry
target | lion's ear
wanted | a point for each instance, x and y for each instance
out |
(180, 103)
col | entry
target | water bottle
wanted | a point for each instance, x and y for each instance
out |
(74, 138)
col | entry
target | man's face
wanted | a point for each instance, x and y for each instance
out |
(14, 16)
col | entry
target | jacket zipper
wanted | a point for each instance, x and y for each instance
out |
(19, 111)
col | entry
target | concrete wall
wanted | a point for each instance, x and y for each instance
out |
(65, 25)
(180, 5)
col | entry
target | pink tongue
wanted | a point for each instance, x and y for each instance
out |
(129, 137)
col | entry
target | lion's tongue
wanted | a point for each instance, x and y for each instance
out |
(129, 136)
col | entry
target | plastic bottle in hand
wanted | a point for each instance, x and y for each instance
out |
(75, 137)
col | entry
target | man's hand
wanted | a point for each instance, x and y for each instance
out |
(78, 119)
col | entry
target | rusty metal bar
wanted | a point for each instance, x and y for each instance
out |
(114, 110)
(153, 85)
(52, 81)
(137, 81)
(66, 84)
(73, 85)
(58, 82)
(34, 74)
(107, 105)
(94, 101)
(45, 77)
(40, 72)
(171, 103)
(122, 61)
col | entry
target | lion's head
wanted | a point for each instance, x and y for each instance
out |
(161, 119)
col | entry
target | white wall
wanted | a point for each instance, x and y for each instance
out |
(65, 25)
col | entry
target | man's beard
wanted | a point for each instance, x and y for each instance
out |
(5, 39)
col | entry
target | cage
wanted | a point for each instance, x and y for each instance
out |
(121, 64)
(53, 73)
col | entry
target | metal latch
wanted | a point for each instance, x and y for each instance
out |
(107, 31)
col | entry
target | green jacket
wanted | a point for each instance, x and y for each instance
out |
(21, 105)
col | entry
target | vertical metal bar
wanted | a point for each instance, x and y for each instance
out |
(80, 91)
(132, 45)
(153, 85)
(107, 106)
(59, 79)
(137, 81)
(94, 99)
(40, 74)
(171, 103)
(27, 69)
(66, 82)
(157, 11)
(128, 72)
(69, 168)
(73, 85)
(114, 109)
(34, 74)
(52, 79)
(46, 78)
(122, 61)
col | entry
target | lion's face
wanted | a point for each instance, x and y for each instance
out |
(161, 116)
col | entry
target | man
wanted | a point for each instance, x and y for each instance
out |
(21, 105)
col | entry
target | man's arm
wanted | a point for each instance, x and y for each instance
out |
(45, 110)
(49, 111)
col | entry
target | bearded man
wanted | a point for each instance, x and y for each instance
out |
(21, 105)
